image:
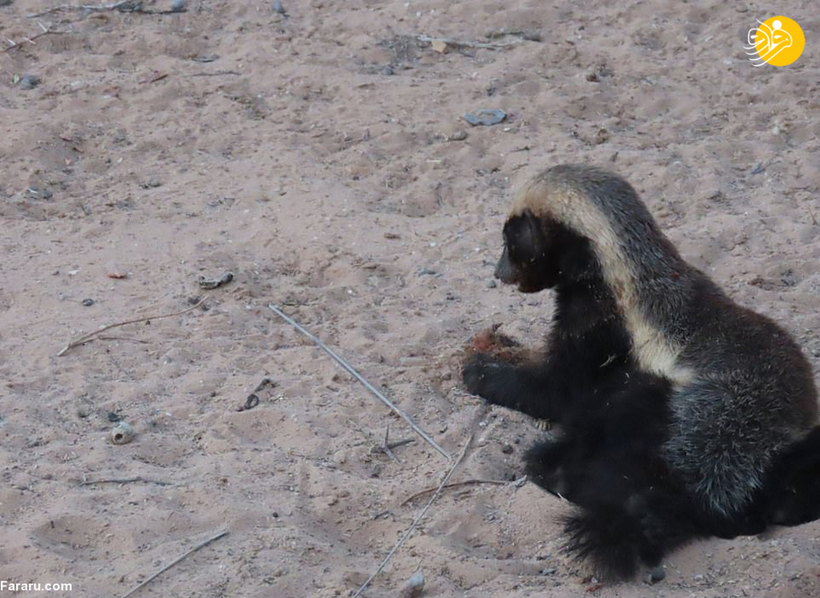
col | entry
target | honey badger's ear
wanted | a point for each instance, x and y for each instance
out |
(524, 237)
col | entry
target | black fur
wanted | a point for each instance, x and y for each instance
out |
(587, 343)
(616, 420)
(791, 493)
(613, 417)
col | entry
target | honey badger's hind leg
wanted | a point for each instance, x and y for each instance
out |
(724, 440)
(789, 494)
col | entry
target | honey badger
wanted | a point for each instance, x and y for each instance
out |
(683, 414)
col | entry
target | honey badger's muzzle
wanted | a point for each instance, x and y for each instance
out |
(504, 270)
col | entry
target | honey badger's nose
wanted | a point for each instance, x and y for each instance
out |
(504, 269)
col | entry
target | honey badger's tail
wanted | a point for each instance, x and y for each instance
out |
(618, 538)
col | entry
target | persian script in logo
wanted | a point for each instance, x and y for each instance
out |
(778, 41)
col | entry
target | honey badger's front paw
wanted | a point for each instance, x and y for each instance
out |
(480, 373)
(521, 387)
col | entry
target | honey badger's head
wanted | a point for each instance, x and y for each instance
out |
(540, 253)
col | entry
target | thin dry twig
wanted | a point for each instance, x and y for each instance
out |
(30, 40)
(116, 6)
(392, 445)
(530, 35)
(386, 446)
(215, 74)
(421, 493)
(122, 338)
(94, 335)
(184, 556)
(420, 516)
(457, 43)
(359, 377)
(124, 6)
(124, 481)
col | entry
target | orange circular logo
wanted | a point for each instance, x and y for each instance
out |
(778, 41)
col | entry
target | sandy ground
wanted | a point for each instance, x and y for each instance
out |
(322, 158)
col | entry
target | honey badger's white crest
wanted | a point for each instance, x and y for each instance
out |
(605, 209)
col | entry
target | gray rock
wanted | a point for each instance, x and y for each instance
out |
(29, 81)
(123, 433)
(151, 183)
(414, 586)
(40, 192)
(486, 117)
(657, 574)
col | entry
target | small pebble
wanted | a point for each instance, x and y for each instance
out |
(114, 417)
(789, 278)
(277, 7)
(507, 449)
(414, 586)
(486, 117)
(88, 302)
(758, 168)
(491, 284)
(549, 571)
(178, 6)
(29, 81)
(215, 283)
(387, 70)
(123, 433)
(657, 574)
(151, 183)
(426, 272)
(38, 192)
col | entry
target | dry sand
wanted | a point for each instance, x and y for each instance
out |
(233, 138)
